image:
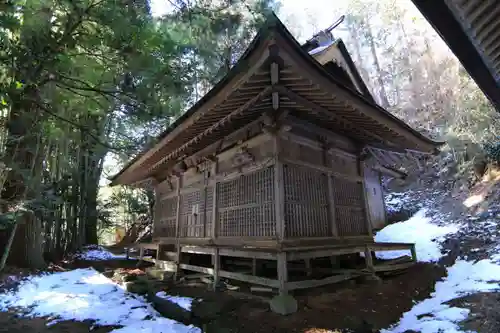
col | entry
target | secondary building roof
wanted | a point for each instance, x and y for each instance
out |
(319, 94)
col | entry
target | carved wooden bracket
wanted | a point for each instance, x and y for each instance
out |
(242, 157)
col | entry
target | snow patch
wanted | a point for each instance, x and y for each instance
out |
(419, 229)
(96, 253)
(432, 315)
(183, 302)
(85, 294)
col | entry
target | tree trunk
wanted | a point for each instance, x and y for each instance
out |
(384, 102)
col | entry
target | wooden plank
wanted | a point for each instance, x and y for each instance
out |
(235, 276)
(394, 267)
(230, 252)
(323, 253)
(335, 140)
(317, 283)
(324, 169)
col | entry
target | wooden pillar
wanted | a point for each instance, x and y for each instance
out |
(279, 191)
(331, 206)
(366, 208)
(308, 266)
(215, 206)
(178, 229)
(369, 260)
(141, 254)
(254, 266)
(413, 253)
(216, 269)
(282, 273)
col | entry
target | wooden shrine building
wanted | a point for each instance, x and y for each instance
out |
(280, 162)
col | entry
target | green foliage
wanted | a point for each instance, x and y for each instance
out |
(492, 150)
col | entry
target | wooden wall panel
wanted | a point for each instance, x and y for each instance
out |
(165, 217)
(375, 198)
(246, 205)
(306, 202)
(349, 207)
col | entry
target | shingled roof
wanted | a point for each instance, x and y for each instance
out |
(306, 88)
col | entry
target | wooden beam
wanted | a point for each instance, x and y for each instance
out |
(214, 127)
(232, 275)
(255, 62)
(317, 108)
(393, 267)
(295, 285)
(308, 70)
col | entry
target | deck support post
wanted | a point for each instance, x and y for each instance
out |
(216, 276)
(282, 273)
(413, 253)
(308, 266)
(141, 255)
(284, 303)
(254, 266)
(369, 260)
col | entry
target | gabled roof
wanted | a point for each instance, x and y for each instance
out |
(472, 31)
(305, 89)
(335, 54)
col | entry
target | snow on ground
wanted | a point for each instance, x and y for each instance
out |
(85, 294)
(183, 302)
(98, 253)
(464, 277)
(433, 315)
(419, 229)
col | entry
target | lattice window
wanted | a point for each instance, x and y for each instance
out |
(191, 222)
(306, 202)
(165, 218)
(349, 207)
(246, 205)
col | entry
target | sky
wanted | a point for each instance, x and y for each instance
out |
(303, 18)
